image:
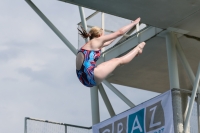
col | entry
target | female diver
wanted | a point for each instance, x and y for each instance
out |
(88, 73)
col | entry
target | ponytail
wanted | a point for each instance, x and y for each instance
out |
(83, 33)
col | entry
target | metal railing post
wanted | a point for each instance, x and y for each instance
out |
(25, 125)
(106, 101)
(119, 94)
(56, 31)
(65, 128)
(103, 27)
(103, 21)
(194, 91)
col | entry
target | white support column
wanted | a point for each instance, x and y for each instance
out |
(106, 100)
(95, 105)
(119, 94)
(189, 73)
(93, 90)
(172, 61)
(56, 31)
(194, 91)
(174, 82)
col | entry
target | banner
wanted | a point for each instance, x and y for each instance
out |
(152, 116)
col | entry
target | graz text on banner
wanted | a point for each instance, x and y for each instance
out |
(152, 116)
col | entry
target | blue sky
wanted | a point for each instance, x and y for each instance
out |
(37, 70)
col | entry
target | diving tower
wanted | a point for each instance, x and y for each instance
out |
(170, 59)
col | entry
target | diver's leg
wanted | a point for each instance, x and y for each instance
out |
(104, 69)
(129, 56)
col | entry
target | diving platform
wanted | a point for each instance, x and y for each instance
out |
(149, 71)
(162, 14)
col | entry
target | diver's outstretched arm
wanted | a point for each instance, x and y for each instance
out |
(105, 40)
(118, 33)
(108, 43)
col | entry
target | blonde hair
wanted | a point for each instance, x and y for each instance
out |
(94, 32)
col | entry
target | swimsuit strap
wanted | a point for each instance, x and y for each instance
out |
(89, 50)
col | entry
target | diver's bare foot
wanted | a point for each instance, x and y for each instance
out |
(137, 21)
(140, 47)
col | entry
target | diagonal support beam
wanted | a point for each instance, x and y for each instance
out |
(83, 21)
(130, 43)
(119, 94)
(194, 91)
(185, 63)
(48, 22)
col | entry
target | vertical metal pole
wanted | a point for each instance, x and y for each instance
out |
(25, 125)
(198, 113)
(93, 90)
(174, 82)
(137, 29)
(56, 31)
(102, 21)
(65, 128)
(194, 91)
(119, 94)
(95, 105)
(106, 100)
(103, 26)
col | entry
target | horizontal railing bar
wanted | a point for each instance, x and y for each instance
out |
(89, 16)
(183, 90)
(110, 31)
(70, 125)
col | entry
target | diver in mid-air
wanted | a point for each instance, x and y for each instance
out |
(88, 73)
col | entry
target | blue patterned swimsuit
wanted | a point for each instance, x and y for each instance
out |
(86, 72)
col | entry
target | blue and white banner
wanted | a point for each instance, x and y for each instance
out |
(153, 116)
